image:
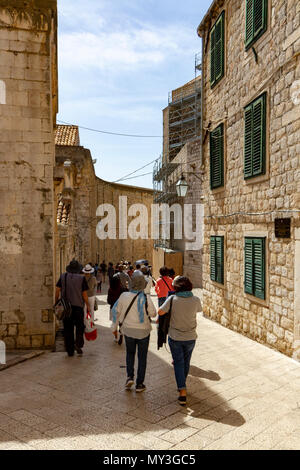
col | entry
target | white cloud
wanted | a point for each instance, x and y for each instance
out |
(142, 47)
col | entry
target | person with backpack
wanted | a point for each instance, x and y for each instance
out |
(88, 272)
(182, 309)
(74, 288)
(114, 292)
(163, 285)
(132, 313)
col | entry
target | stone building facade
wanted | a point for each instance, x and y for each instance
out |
(114, 250)
(28, 106)
(181, 157)
(78, 194)
(48, 195)
(75, 200)
(251, 148)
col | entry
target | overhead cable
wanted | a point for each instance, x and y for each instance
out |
(113, 133)
(135, 171)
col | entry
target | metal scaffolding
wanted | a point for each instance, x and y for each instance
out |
(184, 123)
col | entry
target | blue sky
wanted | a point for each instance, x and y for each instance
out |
(117, 62)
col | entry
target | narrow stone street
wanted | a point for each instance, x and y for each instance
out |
(242, 395)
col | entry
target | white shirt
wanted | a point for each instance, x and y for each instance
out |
(132, 326)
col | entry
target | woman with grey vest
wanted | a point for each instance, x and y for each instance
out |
(183, 308)
(132, 313)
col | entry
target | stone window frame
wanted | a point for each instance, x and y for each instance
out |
(266, 175)
(220, 128)
(220, 233)
(258, 234)
(221, 189)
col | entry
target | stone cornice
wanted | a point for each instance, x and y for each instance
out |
(28, 14)
(210, 15)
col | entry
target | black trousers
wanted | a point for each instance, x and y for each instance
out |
(76, 321)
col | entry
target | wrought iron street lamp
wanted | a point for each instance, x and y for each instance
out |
(182, 187)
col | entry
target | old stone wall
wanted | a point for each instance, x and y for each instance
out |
(127, 248)
(76, 236)
(276, 71)
(27, 112)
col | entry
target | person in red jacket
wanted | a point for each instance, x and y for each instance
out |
(163, 285)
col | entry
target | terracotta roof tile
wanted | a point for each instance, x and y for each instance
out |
(67, 135)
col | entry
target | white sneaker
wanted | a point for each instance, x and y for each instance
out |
(129, 383)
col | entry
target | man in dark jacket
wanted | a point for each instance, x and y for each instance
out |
(73, 287)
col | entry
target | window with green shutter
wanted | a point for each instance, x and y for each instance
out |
(217, 157)
(255, 138)
(255, 267)
(217, 50)
(217, 259)
(256, 20)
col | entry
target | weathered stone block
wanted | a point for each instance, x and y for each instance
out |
(23, 342)
(49, 340)
(12, 330)
(13, 317)
(37, 341)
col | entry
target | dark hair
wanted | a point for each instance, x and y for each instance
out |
(171, 272)
(110, 264)
(138, 266)
(164, 271)
(131, 267)
(182, 284)
(114, 282)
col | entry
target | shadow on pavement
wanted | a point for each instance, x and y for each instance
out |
(204, 374)
(60, 402)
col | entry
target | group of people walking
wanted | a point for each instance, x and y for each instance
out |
(132, 313)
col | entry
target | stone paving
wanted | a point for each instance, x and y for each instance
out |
(242, 395)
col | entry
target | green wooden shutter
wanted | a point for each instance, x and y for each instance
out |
(259, 17)
(248, 266)
(248, 142)
(213, 268)
(255, 267)
(256, 20)
(259, 267)
(220, 259)
(258, 146)
(217, 157)
(255, 138)
(217, 50)
(212, 56)
(249, 21)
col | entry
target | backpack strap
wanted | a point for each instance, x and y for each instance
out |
(166, 284)
(146, 307)
(171, 303)
(65, 296)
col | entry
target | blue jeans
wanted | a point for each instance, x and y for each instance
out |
(142, 345)
(181, 353)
